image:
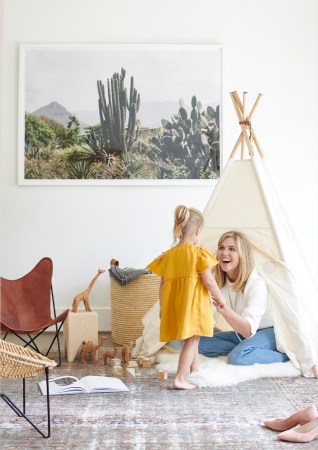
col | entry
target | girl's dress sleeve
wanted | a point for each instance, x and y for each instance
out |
(205, 259)
(156, 266)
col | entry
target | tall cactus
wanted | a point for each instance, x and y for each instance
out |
(117, 136)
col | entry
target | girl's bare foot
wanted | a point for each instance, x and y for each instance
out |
(178, 384)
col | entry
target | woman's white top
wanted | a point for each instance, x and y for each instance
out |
(252, 303)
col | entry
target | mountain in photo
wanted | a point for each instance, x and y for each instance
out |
(57, 112)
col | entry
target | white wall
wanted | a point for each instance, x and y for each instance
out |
(270, 46)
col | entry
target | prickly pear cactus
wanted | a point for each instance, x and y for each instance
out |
(192, 140)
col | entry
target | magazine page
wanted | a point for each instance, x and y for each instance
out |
(103, 384)
(62, 386)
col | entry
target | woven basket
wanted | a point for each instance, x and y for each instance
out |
(20, 362)
(129, 304)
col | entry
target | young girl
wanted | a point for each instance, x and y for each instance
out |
(186, 280)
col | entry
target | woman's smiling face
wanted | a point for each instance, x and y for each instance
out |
(229, 258)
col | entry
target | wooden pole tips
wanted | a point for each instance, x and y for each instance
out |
(247, 136)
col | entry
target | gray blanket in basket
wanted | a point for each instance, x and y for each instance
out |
(126, 275)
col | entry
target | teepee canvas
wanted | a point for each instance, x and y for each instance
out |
(245, 199)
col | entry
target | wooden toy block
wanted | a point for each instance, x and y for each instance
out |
(133, 365)
(115, 362)
(117, 371)
(146, 362)
(162, 375)
(140, 360)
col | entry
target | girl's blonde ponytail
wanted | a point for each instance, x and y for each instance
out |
(184, 219)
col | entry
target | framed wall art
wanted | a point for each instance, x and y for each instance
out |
(119, 114)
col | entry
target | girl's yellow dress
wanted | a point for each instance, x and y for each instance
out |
(185, 302)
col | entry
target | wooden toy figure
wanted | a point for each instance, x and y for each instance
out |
(109, 353)
(126, 352)
(90, 347)
(83, 296)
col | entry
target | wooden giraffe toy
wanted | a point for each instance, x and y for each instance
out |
(84, 296)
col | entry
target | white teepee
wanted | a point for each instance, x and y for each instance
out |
(245, 199)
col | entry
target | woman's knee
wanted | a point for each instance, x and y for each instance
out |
(233, 359)
(237, 357)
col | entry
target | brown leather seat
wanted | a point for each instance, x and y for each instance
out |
(26, 306)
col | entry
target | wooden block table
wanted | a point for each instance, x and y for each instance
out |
(79, 327)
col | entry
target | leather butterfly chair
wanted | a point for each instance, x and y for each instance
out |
(26, 306)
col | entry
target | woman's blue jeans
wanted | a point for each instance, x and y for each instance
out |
(260, 348)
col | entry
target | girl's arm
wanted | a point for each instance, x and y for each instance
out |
(210, 283)
(160, 294)
(237, 322)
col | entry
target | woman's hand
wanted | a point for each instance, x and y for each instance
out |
(239, 324)
(219, 303)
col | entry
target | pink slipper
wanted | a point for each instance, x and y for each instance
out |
(305, 433)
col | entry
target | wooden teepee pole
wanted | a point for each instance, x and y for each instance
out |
(236, 146)
(238, 110)
(260, 151)
(254, 106)
(244, 121)
(244, 118)
(252, 131)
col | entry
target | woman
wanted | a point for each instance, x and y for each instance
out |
(246, 308)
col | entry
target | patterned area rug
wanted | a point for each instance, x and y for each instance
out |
(154, 416)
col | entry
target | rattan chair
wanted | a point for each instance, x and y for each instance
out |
(25, 307)
(19, 362)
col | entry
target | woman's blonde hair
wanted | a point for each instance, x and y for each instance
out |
(246, 263)
(184, 220)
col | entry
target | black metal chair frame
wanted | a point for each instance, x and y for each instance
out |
(22, 413)
(32, 344)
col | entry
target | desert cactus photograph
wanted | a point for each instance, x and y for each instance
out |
(149, 112)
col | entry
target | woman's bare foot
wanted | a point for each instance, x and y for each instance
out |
(178, 384)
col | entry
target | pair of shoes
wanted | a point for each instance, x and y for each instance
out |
(299, 418)
(304, 433)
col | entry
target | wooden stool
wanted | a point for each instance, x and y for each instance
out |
(79, 327)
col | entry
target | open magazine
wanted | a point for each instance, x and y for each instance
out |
(87, 385)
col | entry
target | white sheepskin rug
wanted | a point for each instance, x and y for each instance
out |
(216, 371)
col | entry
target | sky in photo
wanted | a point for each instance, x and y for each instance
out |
(68, 75)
